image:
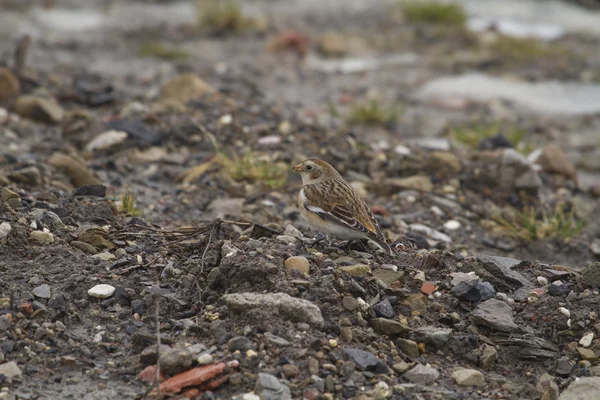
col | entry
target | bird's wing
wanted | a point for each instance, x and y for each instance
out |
(340, 204)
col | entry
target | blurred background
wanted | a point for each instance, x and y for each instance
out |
(200, 108)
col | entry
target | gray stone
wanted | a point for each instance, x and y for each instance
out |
(276, 340)
(42, 292)
(175, 361)
(290, 371)
(363, 359)
(149, 355)
(388, 327)
(10, 370)
(496, 314)
(384, 309)
(422, 375)
(468, 377)
(5, 229)
(489, 355)
(241, 343)
(591, 275)
(436, 336)
(388, 276)
(582, 389)
(268, 387)
(408, 347)
(501, 268)
(350, 303)
(39, 109)
(473, 291)
(292, 231)
(564, 366)
(288, 307)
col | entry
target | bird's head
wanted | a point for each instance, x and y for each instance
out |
(313, 169)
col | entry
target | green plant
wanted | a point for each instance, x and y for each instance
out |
(522, 49)
(473, 135)
(434, 12)
(127, 205)
(531, 225)
(222, 15)
(162, 51)
(373, 113)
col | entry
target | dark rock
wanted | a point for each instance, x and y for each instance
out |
(498, 141)
(384, 309)
(138, 306)
(121, 296)
(175, 361)
(591, 275)
(94, 190)
(57, 302)
(361, 358)
(240, 343)
(473, 291)
(495, 314)
(559, 290)
(564, 366)
(141, 132)
(501, 268)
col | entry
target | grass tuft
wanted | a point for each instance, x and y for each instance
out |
(162, 51)
(223, 15)
(474, 135)
(434, 12)
(523, 49)
(373, 113)
(531, 225)
(127, 205)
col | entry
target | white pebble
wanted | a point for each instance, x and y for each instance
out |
(452, 225)
(205, 359)
(363, 304)
(542, 281)
(586, 340)
(501, 296)
(437, 211)
(33, 225)
(226, 119)
(557, 283)
(250, 396)
(564, 312)
(101, 291)
(402, 150)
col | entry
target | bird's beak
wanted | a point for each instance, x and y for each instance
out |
(298, 168)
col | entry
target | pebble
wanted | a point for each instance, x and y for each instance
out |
(587, 339)
(106, 140)
(204, 359)
(10, 370)
(468, 377)
(364, 359)
(354, 270)
(384, 309)
(586, 354)
(388, 327)
(401, 367)
(489, 355)
(422, 375)
(290, 371)
(268, 387)
(452, 225)
(175, 361)
(276, 340)
(42, 237)
(105, 256)
(42, 292)
(5, 229)
(350, 303)
(291, 230)
(408, 347)
(101, 291)
(85, 247)
(542, 281)
(298, 263)
(564, 312)
(287, 239)
(495, 314)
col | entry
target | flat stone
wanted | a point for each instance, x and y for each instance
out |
(364, 359)
(416, 302)
(241, 343)
(384, 309)
(102, 291)
(268, 387)
(39, 109)
(175, 361)
(386, 326)
(422, 375)
(436, 336)
(468, 377)
(582, 389)
(501, 268)
(276, 340)
(564, 366)
(350, 303)
(92, 190)
(388, 276)
(586, 354)
(292, 231)
(401, 367)
(85, 247)
(473, 291)
(298, 263)
(42, 237)
(496, 314)
(106, 140)
(354, 270)
(10, 370)
(408, 347)
(292, 308)
(42, 292)
(105, 256)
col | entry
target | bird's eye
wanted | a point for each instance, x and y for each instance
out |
(309, 167)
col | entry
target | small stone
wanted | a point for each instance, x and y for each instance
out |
(241, 343)
(421, 183)
(564, 312)
(542, 281)
(5, 229)
(290, 371)
(102, 291)
(42, 292)
(468, 377)
(175, 361)
(9, 85)
(495, 314)
(10, 370)
(401, 367)
(286, 239)
(92, 190)
(582, 389)
(591, 275)
(564, 366)
(363, 359)
(384, 309)
(106, 140)
(452, 225)
(459, 277)
(276, 340)
(298, 263)
(39, 108)
(42, 237)
(185, 87)
(346, 334)
(313, 365)
(251, 353)
(8, 194)
(204, 359)
(473, 291)
(438, 337)
(292, 231)
(586, 354)
(85, 247)
(586, 340)
(408, 347)
(422, 375)
(268, 387)
(386, 326)
(388, 276)
(355, 270)
(489, 355)
(105, 256)
(416, 302)
(350, 303)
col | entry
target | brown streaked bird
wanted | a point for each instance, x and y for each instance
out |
(333, 207)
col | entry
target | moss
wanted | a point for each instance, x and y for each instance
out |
(162, 51)
(434, 12)
(522, 49)
(373, 113)
(222, 15)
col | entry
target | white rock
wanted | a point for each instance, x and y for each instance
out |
(104, 256)
(468, 377)
(586, 340)
(291, 230)
(437, 211)
(458, 277)
(286, 239)
(402, 150)
(106, 140)
(102, 291)
(10, 370)
(542, 281)
(250, 396)
(5, 229)
(564, 312)
(42, 237)
(33, 225)
(452, 225)
(205, 359)
(226, 119)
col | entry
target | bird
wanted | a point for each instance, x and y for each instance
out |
(333, 207)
